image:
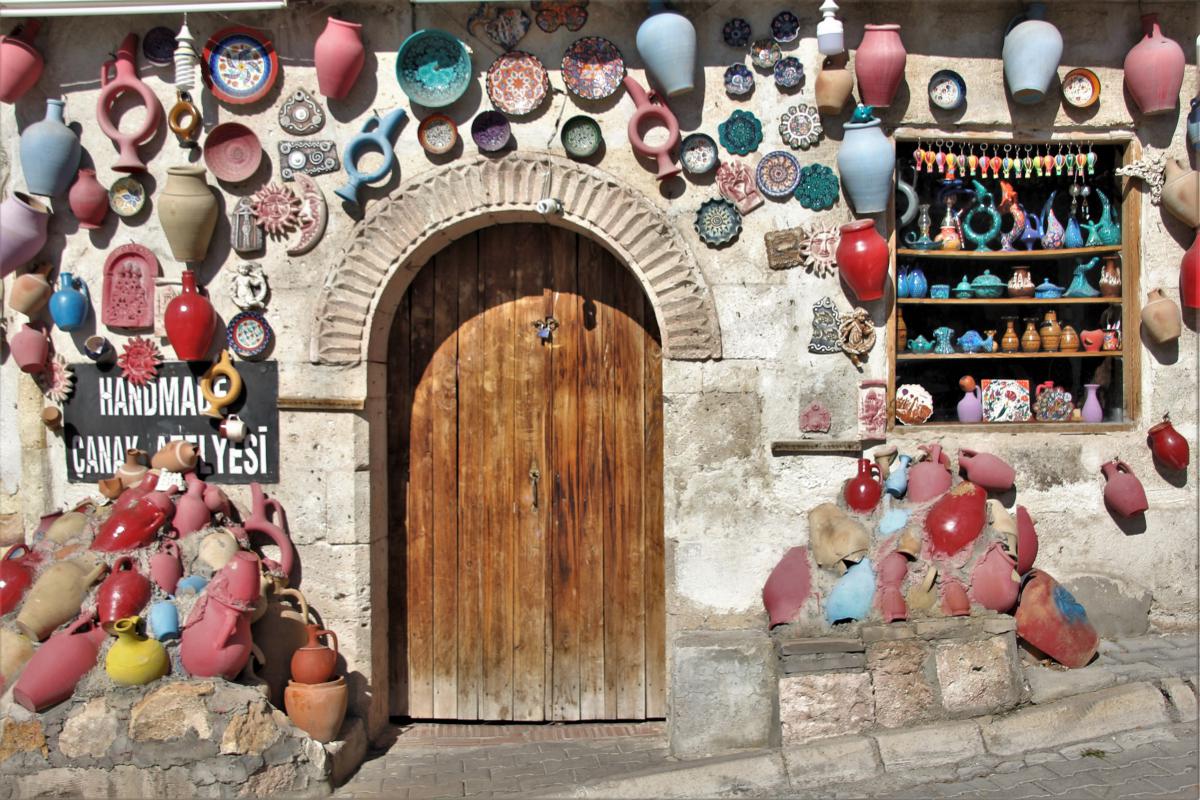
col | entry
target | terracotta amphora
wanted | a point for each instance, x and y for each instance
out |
(30, 347)
(929, 478)
(957, 519)
(176, 456)
(124, 593)
(15, 652)
(317, 709)
(862, 492)
(280, 632)
(31, 292)
(1123, 492)
(57, 595)
(1168, 446)
(20, 62)
(1027, 541)
(166, 566)
(1161, 320)
(994, 580)
(986, 470)
(68, 527)
(788, 586)
(1051, 620)
(135, 521)
(315, 662)
(52, 673)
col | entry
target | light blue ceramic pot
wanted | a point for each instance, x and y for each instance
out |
(1032, 49)
(666, 41)
(897, 480)
(49, 153)
(69, 306)
(865, 162)
(164, 620)
(851, 596)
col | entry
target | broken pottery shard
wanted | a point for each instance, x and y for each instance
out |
(788, 586)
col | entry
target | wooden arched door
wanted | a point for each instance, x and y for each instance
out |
(525, 411)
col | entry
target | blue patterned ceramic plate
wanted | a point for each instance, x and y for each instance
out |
(777, 174)
(718, 222)
(785, 27)
(741, 134)
(736, 32)
(698, 153)
(592, 68)
(240, 65)
(739, 80)
(788, 72)
(581, 136)
(249, 334)
(433, 68)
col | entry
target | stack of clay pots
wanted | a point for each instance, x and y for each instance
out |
(314, 699)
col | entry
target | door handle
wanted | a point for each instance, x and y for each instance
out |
(534, 477)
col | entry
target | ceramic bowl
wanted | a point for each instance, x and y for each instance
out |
(764, 53)
(491, 131)
(739, 80)
(232, 152)
(581, 136)
(126, 197)
(698, 153)
(947, 90)
(736, 32)
(433, 68)
(785, 27)
(438, 134)
(1081, 88)
(717, 222)
(939, 291)
(788, 72)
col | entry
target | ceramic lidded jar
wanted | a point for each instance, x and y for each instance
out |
(338, 56)
(22, 230)
(862, 257)
(865, 162)
(1032, 49)
(666, 41)
(49, 152)
(1154, 69)
(879, 64)
(20, 62)
(1161, 319)
(187, 210)
(88, 200)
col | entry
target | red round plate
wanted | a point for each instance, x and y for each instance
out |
(517, 82)
(240, 65)
(232, 152)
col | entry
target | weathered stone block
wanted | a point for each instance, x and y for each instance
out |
(903, 692)
(170, 712)
(22, 737)
(1047, 684)
(887, 633)
(1182, 697)
(979, 677)
(348, 750)
(929, 745)
(89, 732)
(948, 628)
(252, 731)
(822, 706)
(824, 662)
(819, 644)
(838, 760)
(727, 676)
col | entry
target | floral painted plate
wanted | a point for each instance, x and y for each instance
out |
(800, 126)
(433, 68)
(914, 404)
(698, 153)
(1006, 400)
(777, 174)
(818, 187)
(249, 334)
(592, 68)
(491, 131)
(764, 53)
(741, 134)
(718, 222)
(438, 134)
(739, 80)
(581, 136)
(785, 27)
(517, 82)
(736, 32)
(126, 197)
(240, 65)
(788, 72)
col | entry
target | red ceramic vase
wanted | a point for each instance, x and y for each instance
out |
(862, 257)
(1169, 448)
(1189, 275)
(216, 638)
(879, 65)
(1027, 541)
(1123, 492)
(862, 492)
(135, 520)
(314, 662)
(190, 321)
(16, 574)
(957, 519)
(124, 593)
(788, 587)
(166, 566)
(59, 664)
(1050, 619)
(1154, 69)
(20, 62)
(339, 56)
(986, 470)
(88, 200)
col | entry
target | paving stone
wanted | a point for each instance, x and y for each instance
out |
(831, 760)
(1041, 758)
(929, 746)
(1072, 785)
(1048, 684)
(1182, 697)
(1027, 775)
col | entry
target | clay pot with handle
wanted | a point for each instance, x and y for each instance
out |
(989, 471)
(263, 511)
(117, 77)
(929, 478)
(56, 596)
(1181, 192)
(16, 576)
(133, 470)
(135, 521)
(191, 514)
(1161, 320)
(1168, 446)
(216, 637)
(1123, 492)
(58, 665)
(994, 580)
(30, 347)
(315, 662)
(862, 492)
(280, 632)
(176, 456)
(124, 593)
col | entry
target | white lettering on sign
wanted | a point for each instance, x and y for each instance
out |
(105, 453)
(169, 396)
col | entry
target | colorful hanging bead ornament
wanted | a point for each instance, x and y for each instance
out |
(741, 134)
(800, 126)
(919, 155)
(139, 361)
(276, 209)
(818, 187)
(56, 380)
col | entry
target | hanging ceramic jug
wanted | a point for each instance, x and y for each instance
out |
(49, 152)
(20, 62)
(187, 210)
(1181, 192)
(315, 662)
(666, 41)
(970, 408)
(1051, 620)
(30, 292)
(190, 321)
(851, 597)
(986, 470)
(1092, 412)
(1189, 274)
(862, 257)
(123, 593)
(52, 673)
(30, 347)
(56, 596)
(1154, 69)
(1161, 318)
(1123, 492)
(111, 88)
(897, 481)
(338, 56)
(862, 492)
(879, 65)
(135, 659)
(88, 200)
(834, 85)
(788, 586)
(866, 161)
(994, 580)
(166, 566)
(1032, 49)
(22, 230)
(929, 478)
(1169, 448)
(957, 519)
(69, 306)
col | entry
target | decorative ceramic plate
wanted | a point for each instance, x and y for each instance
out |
(438, 134)
(433, 68)
(232, 152)
(914, 404)
(818, 187)
(491, 131)
(739, 80)
(1006, 401)
(240, 65)
(310, 157)
(301, 114)
(800, 126)
(592, 68)
(718, 222)
(1053, 404)
(788, 72)
(777, 174)
(1081, 88)
(736, 32)
(698, 153)
(158, 46)
(785, 27)
(571, 14)
(517, 82)
(581, 136)
(504, 26)
(249, 334)
(947, 90)
(126, 197)
(741, 134)
(764, 53)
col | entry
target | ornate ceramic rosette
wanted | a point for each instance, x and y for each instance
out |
(718, 222)
(240, 65)
(785, 27)
(818, 187)
(741, 134)
(739, 80)
(517, 83)
(788, 72)
(764, 53)
(777, 174)
(736, 32)
(249, 334)
(301, 114)
(800, 126)
(592, 68)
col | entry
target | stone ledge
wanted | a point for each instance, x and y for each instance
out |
(841, 759)
(824, 662)
(929, 745)
(760, 773)
(819, 644)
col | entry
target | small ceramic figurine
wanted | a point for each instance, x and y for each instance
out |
(1079, 283)
(248, 286)
(1008, 205)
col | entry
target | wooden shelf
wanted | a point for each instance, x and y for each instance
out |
(1014, 255)
(1033, 426)
(1010, 301)
(948, 356)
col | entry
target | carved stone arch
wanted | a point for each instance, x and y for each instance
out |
(399, 233)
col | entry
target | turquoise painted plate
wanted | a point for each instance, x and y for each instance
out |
(433, 68)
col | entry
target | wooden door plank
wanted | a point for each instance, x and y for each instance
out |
(594, 495)
(499, 248)
(652, 536)
(419, 526)
(564, 473)
(399, 409)
(530, 449)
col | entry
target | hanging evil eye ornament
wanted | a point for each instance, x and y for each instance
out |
(1091, 161)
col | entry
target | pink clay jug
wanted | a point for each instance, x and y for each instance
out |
(216, 638)
(929, 478)
(788, 586)
(1123, 492)
(191, 514)
(88, 200)
(260, 521)
(986, 470)
(111, 88)
(955, 602)
(862, 492)
(30, 347)
(166, 566)
(58, 665)
(994, 581)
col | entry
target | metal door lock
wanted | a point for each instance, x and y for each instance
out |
(545, 328)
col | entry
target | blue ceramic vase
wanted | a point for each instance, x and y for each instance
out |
(851, 596)
(865, 162)
(897, 480)
(918, 286)
(69, 306)
(1032, 49)
(666, 41)
(49, 153)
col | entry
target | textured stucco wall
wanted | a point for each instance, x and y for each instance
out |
(731, 508)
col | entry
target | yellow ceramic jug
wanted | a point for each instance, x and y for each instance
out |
(135, 659)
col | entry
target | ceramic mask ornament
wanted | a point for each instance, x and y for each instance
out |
(818, 246)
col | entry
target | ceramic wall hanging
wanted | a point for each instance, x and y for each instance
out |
(491, 131)
(739, 80)
(314, 157)
(30, 292)
(313, 216)
(800, 126)
(276, 209)
(88, 200)
(376, 134)
(718, 222)
(244, 234)
(249, 335)
(1154, 70)
(764, 54)
(788, 72)
(49, 152)
(736, 32)
(581, 136)
(433, 68)
(127, 196)
(818, 248)
(240, 65)
(139, 361)
(301, 114)
(23, 221)
(187, 211)
(158, 46)
(666, 41)
(592, 68)
(856, 335)
(129, 273)
(914, 404)
(1032, 49)
(785, 27)
(741, 134)
(1161, 319)
(504, 26)
(338, 55)
(872, 409)
(20, 62)
(248, 287)
(783, 248)
(232, 152)
(651, 113)
(186, 59)
(57, 379)
(551, 14)
(698, 153)
(947, 90)
(735, 181)
(815, 418)
(1123, 492)
(826, 319)
(437, 134)
(126, 80)
(517, 83)
(777, 174)
(1006, 400)
(879, 65)
(1081, 88)
(866, 161)
(223, 368)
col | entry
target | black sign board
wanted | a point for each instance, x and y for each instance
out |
(106, 415)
